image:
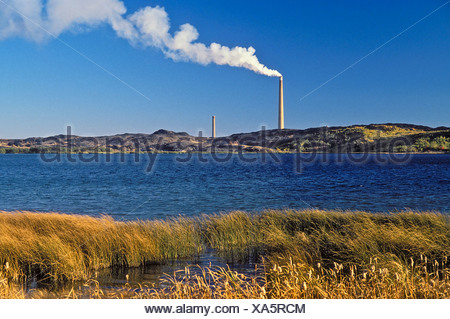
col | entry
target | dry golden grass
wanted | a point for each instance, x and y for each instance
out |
(294, 281)
(325, 237)
(70, 247)
(10, 287)
(307, 254)
(391, 280)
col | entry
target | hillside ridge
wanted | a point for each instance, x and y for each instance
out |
(387, 137)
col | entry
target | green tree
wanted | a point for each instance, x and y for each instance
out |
(422, 144)
(440, 143)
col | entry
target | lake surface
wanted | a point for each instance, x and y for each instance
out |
(122, 187)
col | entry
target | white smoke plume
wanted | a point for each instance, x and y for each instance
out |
(39, 20)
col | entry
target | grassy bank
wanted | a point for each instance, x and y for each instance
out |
(70, 247)
(307, 254)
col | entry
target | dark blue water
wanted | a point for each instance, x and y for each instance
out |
(125, 190)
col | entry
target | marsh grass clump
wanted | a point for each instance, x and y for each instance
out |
(70, 247)
(315, 236)
(306, 254)
(233, 230)
(375, 280)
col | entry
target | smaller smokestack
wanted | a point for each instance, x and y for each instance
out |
(281, 106)
(213, 127)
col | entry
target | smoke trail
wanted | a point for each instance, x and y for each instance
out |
(148, 27)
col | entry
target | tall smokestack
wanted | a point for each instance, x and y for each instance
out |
(213, 126)
(281, 106)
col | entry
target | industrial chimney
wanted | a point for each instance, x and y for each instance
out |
(213, 127)
(281, 106)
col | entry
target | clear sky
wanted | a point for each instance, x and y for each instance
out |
(45, 85)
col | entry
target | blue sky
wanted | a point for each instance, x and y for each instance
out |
(46, 85)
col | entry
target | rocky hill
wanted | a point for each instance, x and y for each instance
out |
(356, 138)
